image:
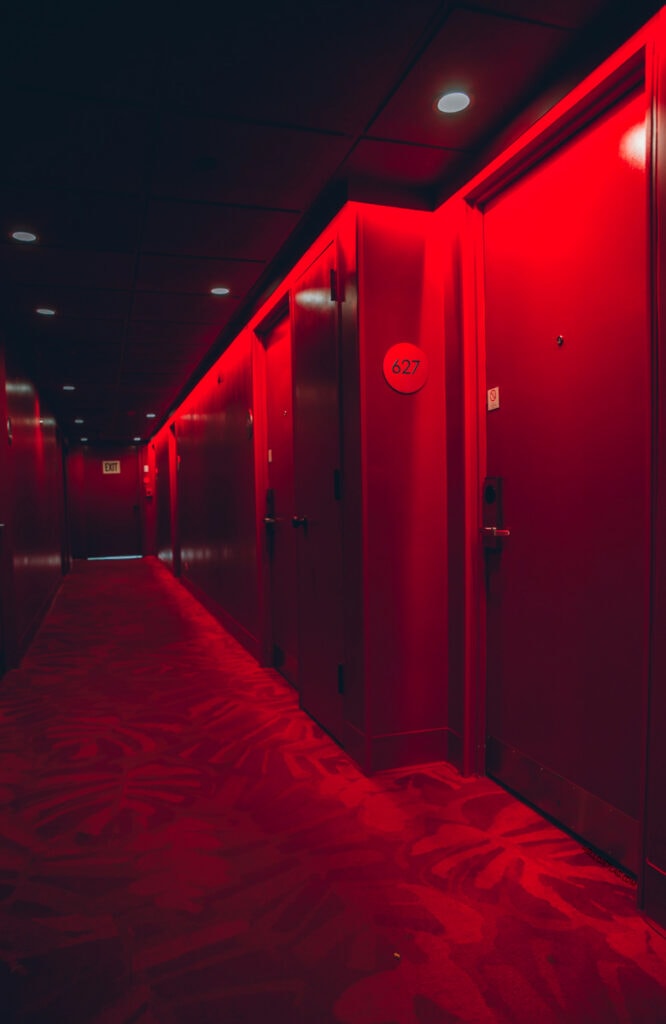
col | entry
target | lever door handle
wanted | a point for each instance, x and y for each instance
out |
(270, 520)
(297, 521)
(494, 531)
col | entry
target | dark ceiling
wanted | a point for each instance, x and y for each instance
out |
(156, 156)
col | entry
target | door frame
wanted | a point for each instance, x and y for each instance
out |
(630, 66)
(281, 309)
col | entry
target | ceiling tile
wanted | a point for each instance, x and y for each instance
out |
(72, 331)
(74, 219)
(58, 141)
(199, 229)
(38, 265)
(160, 272)
(86, 303)
(565, 13)
(317, 65)
(83, 49)
(257, 165)
(176, 306)
(497, 60)
(149, 333)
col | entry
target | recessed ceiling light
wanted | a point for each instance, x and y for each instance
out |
(68, 387)
(45, 311)
(219, 290)
(79, 421)
(151, 415)
(453, 102)
(24, 236)
(136, 438)
(84, 439)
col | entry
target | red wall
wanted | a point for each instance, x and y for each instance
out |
(654, 878)
(32, 546)
(104, 508)
(162, 499)
(404, 494)
(216, 491)
(394, 506)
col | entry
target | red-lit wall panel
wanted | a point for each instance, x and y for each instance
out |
(404, 493)
(216, 491)
(654, 877)
(162, 499)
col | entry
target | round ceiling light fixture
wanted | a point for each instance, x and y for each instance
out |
(219, 290)
(453, 102)
(45, 311)
(24, 236)
(68, 387)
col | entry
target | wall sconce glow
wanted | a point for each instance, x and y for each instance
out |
(633, 146)
(24, 236)
(313, 298)
(453, 102)
(68, 387)
(45, 311)
(219, 290)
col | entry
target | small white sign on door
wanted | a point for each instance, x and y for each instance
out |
(493, 399)
(112, 466)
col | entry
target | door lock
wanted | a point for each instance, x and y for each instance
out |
(494, 531)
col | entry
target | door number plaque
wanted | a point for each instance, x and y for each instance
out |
(405, 368)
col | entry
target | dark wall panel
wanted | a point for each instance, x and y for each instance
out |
(33, 511)
(216, 490)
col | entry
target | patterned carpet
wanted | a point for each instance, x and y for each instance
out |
(179, 844)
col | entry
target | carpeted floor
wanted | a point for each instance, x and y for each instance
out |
(179, 844)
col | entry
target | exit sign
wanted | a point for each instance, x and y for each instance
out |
(111, 467)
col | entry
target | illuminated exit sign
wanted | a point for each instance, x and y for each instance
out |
(111, 467)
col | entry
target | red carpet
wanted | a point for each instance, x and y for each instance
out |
(179, 844)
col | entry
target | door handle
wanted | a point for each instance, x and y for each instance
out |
(297, 521)
(271, 520)
(493, 531)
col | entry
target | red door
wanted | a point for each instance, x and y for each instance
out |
(568, 450)
(281, 536)
(317, 477)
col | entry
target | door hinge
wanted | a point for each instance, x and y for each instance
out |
(341, 678)
(337, 485)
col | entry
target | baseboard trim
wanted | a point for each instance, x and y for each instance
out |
(654, 894)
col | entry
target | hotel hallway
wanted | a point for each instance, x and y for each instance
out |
(180, 844)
